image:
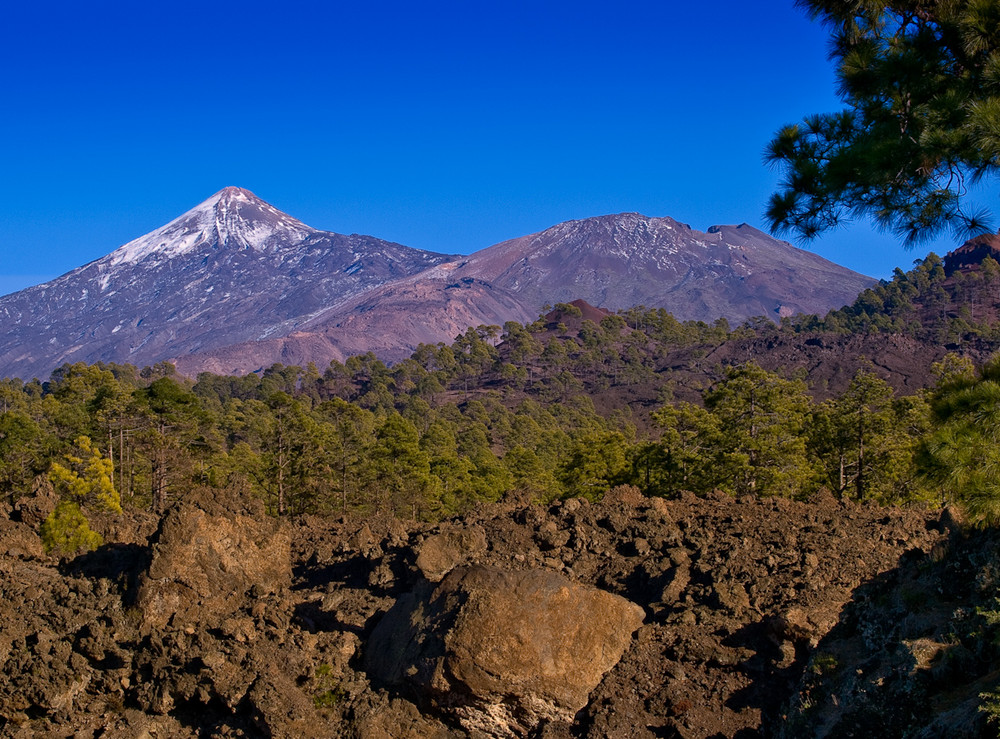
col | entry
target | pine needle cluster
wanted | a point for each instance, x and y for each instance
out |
(921, 81)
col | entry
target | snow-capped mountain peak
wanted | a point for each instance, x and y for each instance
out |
(232, 218)
(230, 270)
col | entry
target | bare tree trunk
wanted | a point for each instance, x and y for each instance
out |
(860, 479)
(111, 454)
(282, 463)
(159, 491)
(843, 475)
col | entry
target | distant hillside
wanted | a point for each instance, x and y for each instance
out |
(953, 302)
(617, 261)
(898, 329)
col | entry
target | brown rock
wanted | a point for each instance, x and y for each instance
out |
(504, 651)
(624, 495)
(19, 540)
(732, 596)
(795, 625)
(34, 508)
(401, 720)
(281, 710)
(661, 506)
(440, 554)
(203, 565)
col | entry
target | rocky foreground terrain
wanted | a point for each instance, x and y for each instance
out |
(632, 617)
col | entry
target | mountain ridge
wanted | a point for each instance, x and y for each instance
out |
(673, 255)
(236, 277)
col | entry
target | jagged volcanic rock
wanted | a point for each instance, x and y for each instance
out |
(736, 595)
(203, 565)
(233, 269)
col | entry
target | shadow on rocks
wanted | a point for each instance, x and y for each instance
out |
(121, 564)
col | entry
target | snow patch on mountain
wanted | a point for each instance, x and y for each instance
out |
(232, 218)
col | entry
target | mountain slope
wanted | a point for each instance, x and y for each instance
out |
(615, 261)
(233, 269)
(619, 261)
(390, 320)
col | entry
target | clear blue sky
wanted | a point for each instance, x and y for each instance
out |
(441, 125)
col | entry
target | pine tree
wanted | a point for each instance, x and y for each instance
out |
(67, 531)
(87, 477)
(22, 451)
(922, 84)
(452, 471)
(84, 479)
(762, 418)
(690, 442)
(402, 481)
(962, 454)
(864, 440)
(171, 417)
(595, 462)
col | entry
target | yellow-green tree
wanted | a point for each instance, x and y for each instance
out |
(85, 479)
(66, 530)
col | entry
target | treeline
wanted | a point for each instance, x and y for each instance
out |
(924, 302)
(109, 435)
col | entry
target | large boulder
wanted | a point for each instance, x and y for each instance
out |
(19, 540)
(204, 564)
(503, 652)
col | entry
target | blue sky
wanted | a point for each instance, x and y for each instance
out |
(441, 125)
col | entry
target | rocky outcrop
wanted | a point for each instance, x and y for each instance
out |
(913, 654)
(973, 252)
(35, 507)
(504, 652)
(19, 540)
(204, 565)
